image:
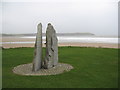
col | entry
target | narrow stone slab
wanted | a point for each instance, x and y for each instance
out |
(26, 69)
(37, 61)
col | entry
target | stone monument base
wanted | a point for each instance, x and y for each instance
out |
(26, 69)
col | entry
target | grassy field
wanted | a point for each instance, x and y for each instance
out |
(93, 68)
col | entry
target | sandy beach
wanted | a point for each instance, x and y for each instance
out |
(18, 39)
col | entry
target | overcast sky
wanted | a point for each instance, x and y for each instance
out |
(67, 16)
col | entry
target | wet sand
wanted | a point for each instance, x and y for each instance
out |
(17, 39)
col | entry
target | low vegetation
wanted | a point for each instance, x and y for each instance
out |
(93, 68)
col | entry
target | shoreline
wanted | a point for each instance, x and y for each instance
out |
(76, 44)
(96, 45)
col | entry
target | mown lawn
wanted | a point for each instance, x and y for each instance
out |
(93, 68)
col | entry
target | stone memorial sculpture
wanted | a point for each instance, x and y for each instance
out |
(37, 61)
(51, 58)
(49, 65)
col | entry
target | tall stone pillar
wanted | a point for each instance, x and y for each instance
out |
(51, 58)
(37, 62)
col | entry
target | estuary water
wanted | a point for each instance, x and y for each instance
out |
(76, 39)
(84, 39)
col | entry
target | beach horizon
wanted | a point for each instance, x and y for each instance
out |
(60, 44)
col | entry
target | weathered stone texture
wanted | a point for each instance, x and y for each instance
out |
(37, 62)
(51, 58)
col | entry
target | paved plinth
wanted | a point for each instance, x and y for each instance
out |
(26, 69)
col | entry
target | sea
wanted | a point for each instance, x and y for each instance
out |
(78, 39)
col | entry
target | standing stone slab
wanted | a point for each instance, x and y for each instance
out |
(37, 61)
(51, 58)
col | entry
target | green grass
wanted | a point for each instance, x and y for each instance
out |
(93, 68)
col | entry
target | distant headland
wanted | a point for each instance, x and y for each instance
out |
(58, 34)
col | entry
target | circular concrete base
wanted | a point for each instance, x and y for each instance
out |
(26, 69)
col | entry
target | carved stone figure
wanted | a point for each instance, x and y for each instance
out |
(51, 58)
(37, 62)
